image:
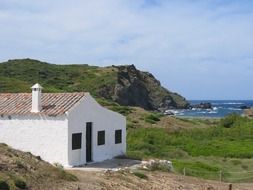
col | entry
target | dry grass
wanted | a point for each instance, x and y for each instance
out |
(125, 180)
(23, 170)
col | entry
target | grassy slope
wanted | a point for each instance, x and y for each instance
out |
(204, 151)
(23, 170)
(19, 75)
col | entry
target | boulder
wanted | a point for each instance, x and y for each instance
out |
(202, 105)
(244, 107)
(248, 112)
(164, 165)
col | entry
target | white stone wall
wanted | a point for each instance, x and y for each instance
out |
(102, 119)
(42, 136)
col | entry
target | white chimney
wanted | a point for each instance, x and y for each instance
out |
(36, 98)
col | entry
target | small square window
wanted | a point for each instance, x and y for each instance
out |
(76, 141)
(101, 137)
(118, 136)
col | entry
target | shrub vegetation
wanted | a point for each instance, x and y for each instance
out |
(231, 139)
(140, 175)
(152, 118)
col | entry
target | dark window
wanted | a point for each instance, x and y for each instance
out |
(118, 136)
(101, 137)
(76, 141)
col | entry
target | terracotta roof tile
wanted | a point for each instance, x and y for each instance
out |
(53, 104)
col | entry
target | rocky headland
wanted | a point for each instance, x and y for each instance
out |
(124, 84)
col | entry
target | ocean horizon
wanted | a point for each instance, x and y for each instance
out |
(220, 108)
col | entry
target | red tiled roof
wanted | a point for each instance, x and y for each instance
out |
(53, 104)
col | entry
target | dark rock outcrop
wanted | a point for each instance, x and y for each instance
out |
(202, 105)
(248, 112)
(137, 88)
(244, 107)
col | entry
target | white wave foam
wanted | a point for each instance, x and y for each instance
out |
(176, 112)
(232, 103)
(204, 112)
(212, 112)
(235, 109)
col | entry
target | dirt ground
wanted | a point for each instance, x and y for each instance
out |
(107, 176)
(125, 180)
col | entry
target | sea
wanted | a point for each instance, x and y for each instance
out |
(220, 108)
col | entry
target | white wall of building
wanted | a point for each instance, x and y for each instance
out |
(102, 119)
(42, 136)
(51, 137)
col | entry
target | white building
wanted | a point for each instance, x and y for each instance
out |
(67, 128)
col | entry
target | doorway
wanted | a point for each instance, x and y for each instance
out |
(88, 141)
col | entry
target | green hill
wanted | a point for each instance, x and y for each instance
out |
(125, 85)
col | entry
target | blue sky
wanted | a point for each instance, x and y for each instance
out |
(202, 49)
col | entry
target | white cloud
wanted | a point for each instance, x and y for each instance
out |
(190, 45)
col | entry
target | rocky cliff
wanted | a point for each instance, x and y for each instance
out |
(137, 88)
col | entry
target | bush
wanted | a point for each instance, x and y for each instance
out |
(176, 153)
(152, 118)
(59, 166)
(20, 164)
(140, 175)
(230, 120)
(4, 185)
(236, 162)
(123, 156)
(129, 125)
(135, 155)
(20, 183)
(245, 167)
(63, 174)
(160, 166)
(192, 165)
(67, 176)
(124, 110)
